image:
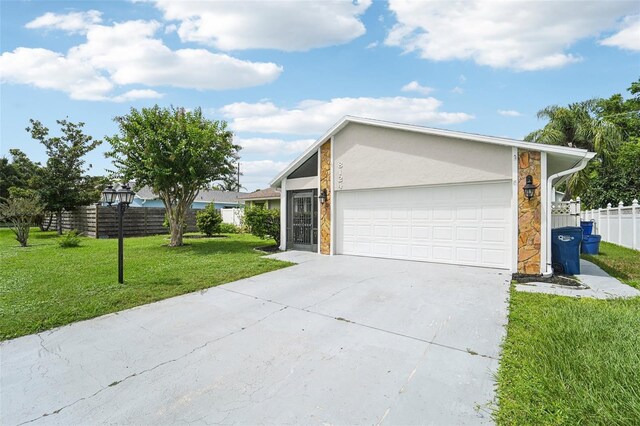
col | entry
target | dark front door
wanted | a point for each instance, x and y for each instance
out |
(302, 221)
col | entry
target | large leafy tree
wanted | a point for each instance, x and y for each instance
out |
(21, 172)
(578, 126)
(623, 113)
(62, 183)
(176, 153)
(620, 181)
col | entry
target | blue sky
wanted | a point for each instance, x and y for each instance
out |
(282, 72)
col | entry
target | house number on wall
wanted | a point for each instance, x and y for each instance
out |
(340, 178)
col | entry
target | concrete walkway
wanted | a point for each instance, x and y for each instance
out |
(599, 285)
(332, 340)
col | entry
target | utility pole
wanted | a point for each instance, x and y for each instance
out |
(238, 182)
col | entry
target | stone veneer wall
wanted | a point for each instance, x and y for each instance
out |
(529, 214)
(325, 209)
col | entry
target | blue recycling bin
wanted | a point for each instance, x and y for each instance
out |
(591, 244)
(565, 250)
(587, 227)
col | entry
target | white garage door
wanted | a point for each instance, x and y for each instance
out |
(461, 224)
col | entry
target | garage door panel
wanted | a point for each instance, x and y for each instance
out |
(494, 212)
(467, 234)
(494, 235)
(467, 213)
(443, 233)
(461, 224)
(468, 254)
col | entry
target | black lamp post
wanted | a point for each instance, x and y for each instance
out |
(120, 199)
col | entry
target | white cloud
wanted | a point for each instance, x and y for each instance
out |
(45, 69)
(521, 35)
(628, 37)
(74, 22)
(314, 117)
(125, 54)
(414, 86)
(509, 113)
(271, 147)
(372, 45)
(283, 25)
(457, 90)
(137, 94)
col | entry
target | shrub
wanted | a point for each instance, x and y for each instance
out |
(263, 223)
(21, 213)
(70, 239)
(209, 220)
(229, 228)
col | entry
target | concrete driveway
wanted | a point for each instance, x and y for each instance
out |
(332, 340)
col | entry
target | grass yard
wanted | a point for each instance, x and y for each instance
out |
(620, 262)
(45, 286)
(573, 361)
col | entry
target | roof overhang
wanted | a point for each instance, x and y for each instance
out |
(564, 155)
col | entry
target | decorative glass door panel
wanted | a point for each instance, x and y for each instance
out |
(303, 221)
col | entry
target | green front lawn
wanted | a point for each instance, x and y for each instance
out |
(617, 261)
(573, 361)
(45, 286)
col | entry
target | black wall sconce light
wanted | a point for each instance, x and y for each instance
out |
(323, 196)
(529, 188)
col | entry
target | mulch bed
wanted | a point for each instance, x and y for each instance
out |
(269, 249)
(554, 279)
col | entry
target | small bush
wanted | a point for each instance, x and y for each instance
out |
(70, 239)
(229, 228)
(209, 220)
(263, 223)
(21, 211)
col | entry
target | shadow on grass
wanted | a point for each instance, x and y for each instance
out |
(223, 246)
(165, 281)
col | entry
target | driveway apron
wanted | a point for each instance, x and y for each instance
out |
(331, 340)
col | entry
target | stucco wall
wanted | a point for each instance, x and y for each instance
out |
(374, 157)
(302, 183)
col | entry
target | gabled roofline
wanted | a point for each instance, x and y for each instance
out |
(347, 119)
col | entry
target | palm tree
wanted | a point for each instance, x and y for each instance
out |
(578, 126)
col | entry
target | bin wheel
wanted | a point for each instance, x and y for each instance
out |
(557, 268)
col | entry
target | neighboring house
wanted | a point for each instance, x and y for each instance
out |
(223, 199)
(268, 198)
(399, 191)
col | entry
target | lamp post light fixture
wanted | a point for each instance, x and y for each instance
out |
(529, 188)
(120, 199)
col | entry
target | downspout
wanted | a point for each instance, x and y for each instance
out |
(550, 194)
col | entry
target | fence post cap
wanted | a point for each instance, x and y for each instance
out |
(578, 199)
(634, 203)
(608, 205)
(620, 204)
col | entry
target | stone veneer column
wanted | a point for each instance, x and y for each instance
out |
(325, 209)
(529, 214)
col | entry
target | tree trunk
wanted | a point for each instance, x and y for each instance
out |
(176, 230)
(48, 225)
(59, 224)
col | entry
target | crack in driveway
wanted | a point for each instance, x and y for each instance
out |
(346, 320)
(147, 370)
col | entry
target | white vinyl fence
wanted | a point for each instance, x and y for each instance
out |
(619, 225)
(233, 216)
(565, 213)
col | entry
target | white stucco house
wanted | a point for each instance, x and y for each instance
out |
(400, 191)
